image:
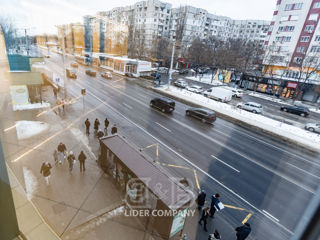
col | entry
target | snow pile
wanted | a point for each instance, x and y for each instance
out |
(205, 79)
(266, 97)
(28, 129)
(278, 128)
(30, 106)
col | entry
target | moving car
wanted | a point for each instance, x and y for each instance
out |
(204, 115)
(218, 93)
(251, 107)
(107, 75)
(91, 73)
(163, 104)
(195, 89)
(299, 110)
(74, 64)
(181, 83)
(71, 73)
(313, 127)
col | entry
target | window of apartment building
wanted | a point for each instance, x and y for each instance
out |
(288, 7)
(287, 39)
(316, 5)
(281, 28)
(305, 39)
(301, 49)
(297, 6)
(290, 28)
(313, 17)
(155, 20)
(309, 28)
(317, 38)
(315, 49)
(297, 59)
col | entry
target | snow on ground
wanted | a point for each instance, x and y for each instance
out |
(30, 106)
(293, 133)
(28, 129)
(205, 79)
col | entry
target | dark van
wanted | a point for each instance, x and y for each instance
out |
(163, 104)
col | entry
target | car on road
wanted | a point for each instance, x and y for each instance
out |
(183, 71)
(47, 56)
(163, 104)
(74, 64)
(195, 89)
(251, 107)
(219, 94)
(107, 75)
(206, 116)
(299, 110)
(181, 83)
(313, 127)
(235, 92)
(91, 73)
(71, 73)
(163, 70)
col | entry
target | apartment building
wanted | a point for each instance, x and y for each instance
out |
(293, 45)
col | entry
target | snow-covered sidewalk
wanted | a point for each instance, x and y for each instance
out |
(30, 106)
(286, 131)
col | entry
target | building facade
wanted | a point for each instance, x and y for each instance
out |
(293, 48)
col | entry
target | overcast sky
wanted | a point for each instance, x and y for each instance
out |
(41, 16)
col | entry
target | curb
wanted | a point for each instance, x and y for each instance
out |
(239, 122)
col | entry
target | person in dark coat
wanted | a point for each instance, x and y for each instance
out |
(106, 123)
(114, 129)
(61, 151)
(82, 158)
(71, 159)
(243, 231)
(87, 123)
(204, 217)
(214, 236)
(214, 202)
(201, 199)
(96, 125)
(45, 171)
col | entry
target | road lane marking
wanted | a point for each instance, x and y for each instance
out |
(225, 163)
(177, 166)
(269, 215)
(163, 126)
(233, 207)
(128, 106)
(197, 180)
(187, 160)
(303, 170)
(247, 218)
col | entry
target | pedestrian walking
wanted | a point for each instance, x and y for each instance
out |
(82, 158)
(214, 236)
(100, 133)
(96, 125)
(45, 171)
(87, 123)
(55, 156)
(106, 123)
(214, 204)
(243, 231)
(201, 199)
(55, 92)
(58, 106)
(114, 129)
(71, 159)
(62, 103)
(204, 217)
(61, 152)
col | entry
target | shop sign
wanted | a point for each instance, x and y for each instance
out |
(292, 85)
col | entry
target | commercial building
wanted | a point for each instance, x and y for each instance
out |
(292, 56)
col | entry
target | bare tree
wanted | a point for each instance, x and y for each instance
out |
(9, 31)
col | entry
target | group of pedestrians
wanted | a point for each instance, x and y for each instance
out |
(60, 156)
(242, 232)
(97, 131)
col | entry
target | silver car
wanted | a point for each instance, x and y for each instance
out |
(251, 107)
(313, 127)
(180, 83)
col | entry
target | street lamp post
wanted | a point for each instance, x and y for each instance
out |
(171, 64)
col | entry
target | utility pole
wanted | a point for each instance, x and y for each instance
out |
(27, 45)
(63, 63)
(171, 64)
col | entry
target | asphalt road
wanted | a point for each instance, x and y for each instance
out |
(249, 170)
(270, 109)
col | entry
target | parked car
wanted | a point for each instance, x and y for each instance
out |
(204, 115)
(218, 93)
(313, 127)
(74, 64)
(181, 83)
(163, 70)
(107, 75)
(299, 110)
(183, 71)
(235, 92)
(163, 104)
(91, 73)
(71, 73)
(128, 74)
(251, 107)
(195, 89)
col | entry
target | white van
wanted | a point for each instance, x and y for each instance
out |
(218, 93)
(235, 91)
